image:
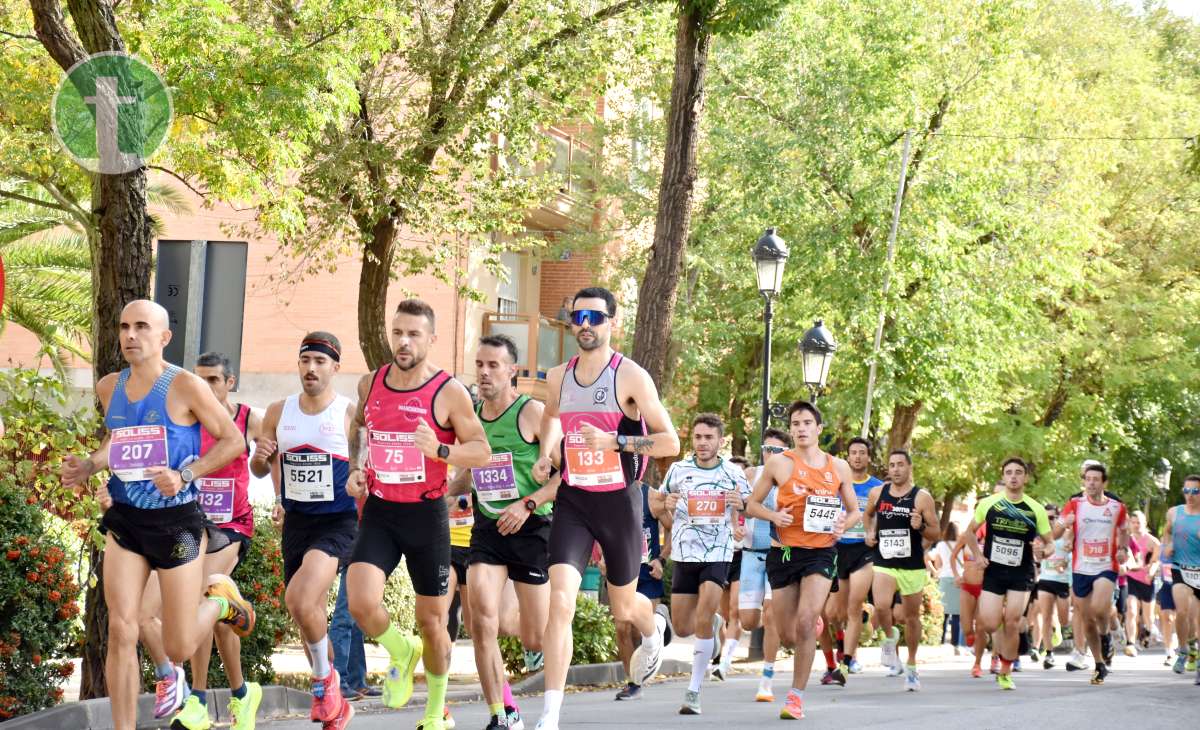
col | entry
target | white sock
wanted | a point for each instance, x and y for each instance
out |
(701, 654)
(552, 705)
(319, 657)
(727, 652)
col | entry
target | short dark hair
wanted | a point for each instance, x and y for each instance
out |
(709, 419)
(1015, 460)
(323, 336)
(501, 341)
(212, 359)
(803, 405)
(901, 452)
(1192, 478)
(418, 308)
(774, 433)
(859, 440)
(739, 460)
(1097, 467)
(597, 292)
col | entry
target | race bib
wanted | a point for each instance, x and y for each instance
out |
(461, 514)
(133, 449)
(587, 468)
(307, 477)
(496, 482)
(894, 544)
(1190, 575)
(820, 513)
(706, 506)
(394, 458)
(216, 498)
(1007, 551)
(1097, 551)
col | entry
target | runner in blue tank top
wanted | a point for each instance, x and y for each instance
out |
(1181, 546)
(153, 414)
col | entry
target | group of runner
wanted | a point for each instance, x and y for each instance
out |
(798, 545)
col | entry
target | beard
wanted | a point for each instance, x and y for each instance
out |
(592, 344)
(416, 360)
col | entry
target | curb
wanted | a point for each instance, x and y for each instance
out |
(96, 714)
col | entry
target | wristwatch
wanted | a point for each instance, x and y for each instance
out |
(443, 452)
(531, 505)
(186, 475)
(621, 441)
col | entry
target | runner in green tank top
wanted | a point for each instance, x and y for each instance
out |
(511, 536)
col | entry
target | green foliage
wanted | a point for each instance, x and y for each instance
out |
(932, 614)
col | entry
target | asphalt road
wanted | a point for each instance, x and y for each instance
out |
(1141, 694)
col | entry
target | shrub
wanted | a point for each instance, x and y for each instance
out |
(593, 630)
(931, 620)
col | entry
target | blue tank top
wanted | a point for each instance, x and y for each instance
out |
(1185, 538)
(183, 442)
(862, 490)
(759, 532)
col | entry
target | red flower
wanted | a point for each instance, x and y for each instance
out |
(54, 596)
(13, 554)
(22, 540)
(37, 659)
(66, 670)
(63, 613)
(32, 577)
(57, 694)
(31, 499)
(34, 552)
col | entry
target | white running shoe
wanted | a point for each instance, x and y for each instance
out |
(647, 658)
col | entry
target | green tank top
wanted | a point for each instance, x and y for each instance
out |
(509, 476)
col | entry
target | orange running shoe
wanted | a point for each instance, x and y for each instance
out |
(793, 709)
(976, 671)
(327, 698)
(241, 612)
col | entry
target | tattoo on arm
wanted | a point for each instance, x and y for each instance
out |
(358, 455)
(640, 444)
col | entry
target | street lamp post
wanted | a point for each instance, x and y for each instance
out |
(770, 255)
(816, 349)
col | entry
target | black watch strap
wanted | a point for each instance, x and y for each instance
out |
(443, 452)
(531, 505)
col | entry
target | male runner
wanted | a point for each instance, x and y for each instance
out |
(319, 517)
(899, 517)
(409, 416)
(1181, 546)
(1054, 592)
(650, 584)
(1014, 520)
(1099, 524)
(153, 413)
(731, 628)
(603, 419)
(224, 497)
(511, 537)
(754, 592)
(814, 488)
(854, 567)
(700, 499)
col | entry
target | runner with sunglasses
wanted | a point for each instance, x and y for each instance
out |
(603, 421)
(1181, 545)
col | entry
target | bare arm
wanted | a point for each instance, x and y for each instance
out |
(227, 443)
(931, 526)
(853, 514)
(265, 442)
(869, 516)
(769, 477)
(973, 542)
(472, 449)
(662, 441)
(460, 484)
(1168, 541)
(550, 430)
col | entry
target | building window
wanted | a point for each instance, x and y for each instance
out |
(506, 306)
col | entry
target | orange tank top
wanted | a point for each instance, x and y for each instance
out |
(812, 494)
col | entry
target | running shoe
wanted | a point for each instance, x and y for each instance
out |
(976, 671)
(1016, 665)
(839, 674)
(1077, 662)
(1197, 682)
(242, 712)
(1048, 662)
(888, 654)
(912, 682)
(668, 629)
(498, 722)
(718, 624)
(1131, 650)
(436, 723)
(793, 709)
(1169, 659)
(1180, 663)
(827, 677)
(995, 664)
(192, 716)
(514, 718)
(544, 724)
(1056, 638)
(327, 697)
(170, 692)
(342, 720)
(717, 673)
(447, 720)
(854, 666)
(240, 615)
(398, 680)
(691, 703)
(765, 693)
(647, 658)
(1005, 681)
(1100, 673)
(534, 661)
(1034, 656)
(1191, 662)
(630, 691)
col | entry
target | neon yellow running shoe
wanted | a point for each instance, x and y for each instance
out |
(243, 711)
(398, 682)
(192, 716)
(1005, 681)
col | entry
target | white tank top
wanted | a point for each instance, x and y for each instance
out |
(314, 457)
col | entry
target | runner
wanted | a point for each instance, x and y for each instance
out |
(968, 576)
(319, 517)
(1140, 581)
(813, 487)
(1181, 545)
(700, 499)
(153, 414)
(900, 516)
(224, 497)
(1013, 521)
(409, 416)
(650, 584)
(1166, 615)
(754, 591)
(854, 571)
(727, 609)
(1054, 592)
(511, 536)
(602, 434)
(1099, 527)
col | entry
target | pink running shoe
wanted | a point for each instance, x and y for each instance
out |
(170, 693)
(793, 709)
(327, 698)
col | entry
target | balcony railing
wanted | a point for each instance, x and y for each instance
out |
(542, 343)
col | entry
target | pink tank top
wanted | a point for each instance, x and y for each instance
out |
(225, 494)
(396, 470)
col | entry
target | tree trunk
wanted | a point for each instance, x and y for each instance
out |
(904, 421)
(121, 261)
(947, 509)
(373, 283)
(657, 293)
(737, 424)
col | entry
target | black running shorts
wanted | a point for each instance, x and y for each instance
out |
(419, 532)
(613, 519)
(787, 566)
(687, 577)
(1001, 582)
(526, 554)
(332, 534)
(1059, 588)
(853, 557)
(167, 537)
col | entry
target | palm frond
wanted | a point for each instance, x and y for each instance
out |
(63, 250)
(169, 197)
(12, 230)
